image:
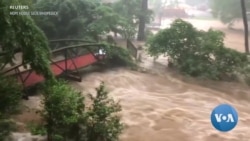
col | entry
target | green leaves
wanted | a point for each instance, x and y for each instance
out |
(10, 97)
(103, 123)
(118, 56)
(63, 109)
(85, 18)
(105, 20)
(197, 53)
(69, 12)
(21, 33)
(66, 117)
(130, 11)
(76, 19)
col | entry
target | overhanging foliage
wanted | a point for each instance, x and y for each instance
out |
(20, 32)
(197, 53)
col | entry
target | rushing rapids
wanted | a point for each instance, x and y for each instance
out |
(159, 107)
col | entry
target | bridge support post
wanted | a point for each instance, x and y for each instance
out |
(25, 92)
(75, 76)
(66, 62)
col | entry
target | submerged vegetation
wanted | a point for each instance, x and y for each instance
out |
(119, 56)
(198, 53)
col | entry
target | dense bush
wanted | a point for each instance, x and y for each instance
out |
(119, 56)
(10, 96)
(63, 109)
(66, 117)
(37, 129)
(102, 123)
(245, 73)
(195, 52)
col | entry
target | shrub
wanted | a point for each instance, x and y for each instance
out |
(118, 56)
(37, 129)
(245, 72)
(10, 97)
(63, 109)
(196, 53)
(102, 123)
(66, 118)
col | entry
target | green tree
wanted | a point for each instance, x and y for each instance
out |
(103, 123)
(18, 33)
(68, 23)
(76, 18)
(63, 110)
(66, 117)
(128, 10)
(107, 20)
(197, 53)
(21, 33)
(131, 12)
(86, 18)
(142, 21)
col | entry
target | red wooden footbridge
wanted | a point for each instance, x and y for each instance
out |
(74, 57)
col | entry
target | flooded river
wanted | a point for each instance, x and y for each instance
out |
(160, 107)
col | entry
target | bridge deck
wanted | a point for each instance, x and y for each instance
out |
(58, 68)
(18, 60)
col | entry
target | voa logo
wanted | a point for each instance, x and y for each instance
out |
(224, 117)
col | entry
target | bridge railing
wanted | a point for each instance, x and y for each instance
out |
(55, 44)
(67, 52)
(131, 48)
(62, 43)
(77, 50)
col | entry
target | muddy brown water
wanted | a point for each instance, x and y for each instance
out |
(164, 106)
(161, 107)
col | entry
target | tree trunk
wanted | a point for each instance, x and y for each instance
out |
(244, 15)
(142, 21)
